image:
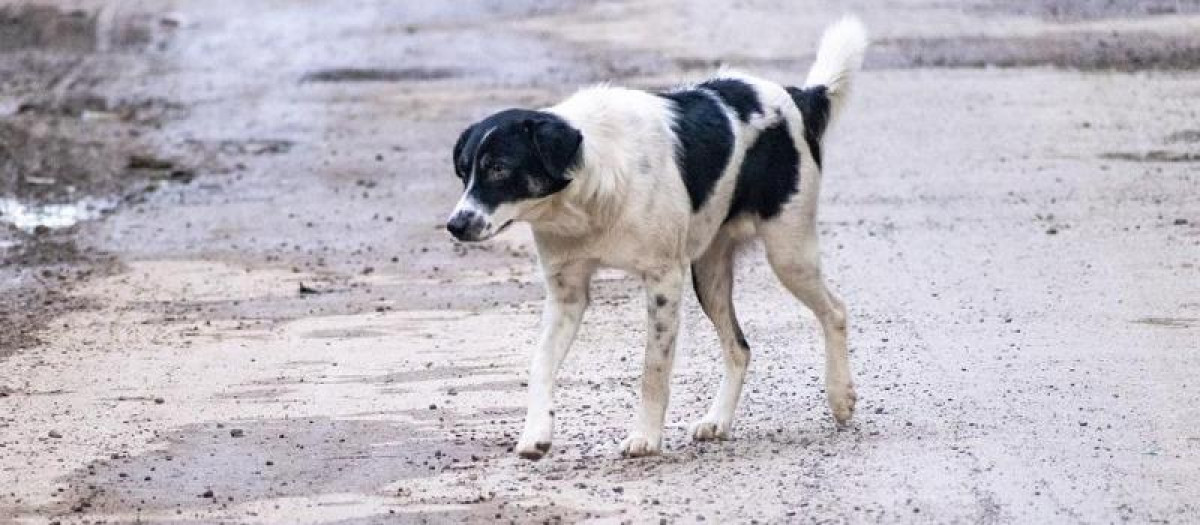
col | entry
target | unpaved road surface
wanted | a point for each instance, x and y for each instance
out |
(271, 326)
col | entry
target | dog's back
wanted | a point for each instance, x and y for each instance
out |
(730, 152)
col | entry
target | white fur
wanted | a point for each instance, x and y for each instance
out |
(840, 55)
(627, 208)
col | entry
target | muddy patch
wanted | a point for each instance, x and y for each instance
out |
(45, 27)
(1153, 156)
(1170, 322)
(350, 74)
(1187, 136)
(69, 147)
(258, 395)
(216, 467)
(1075, 10)
(1086, 51)
(250, 146)
(420, 373)
(37, 271)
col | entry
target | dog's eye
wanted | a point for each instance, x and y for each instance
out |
(497, 171)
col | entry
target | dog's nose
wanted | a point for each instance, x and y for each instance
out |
(460, 223)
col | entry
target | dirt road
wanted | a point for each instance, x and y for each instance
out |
(284, 333)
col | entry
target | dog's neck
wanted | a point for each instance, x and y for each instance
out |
(588, 205)
(582, 209)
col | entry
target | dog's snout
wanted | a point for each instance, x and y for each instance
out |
(465, 225)
(459, 223)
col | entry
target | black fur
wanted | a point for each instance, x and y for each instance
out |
(813, 103)
(705, 141)
(736, 94)
(527, 154)
(741, 338)
(769, 176)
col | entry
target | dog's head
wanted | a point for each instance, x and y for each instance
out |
(507, 162)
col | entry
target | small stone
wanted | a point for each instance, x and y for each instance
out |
(55, 434)
(1180, 222)
(159, 400)
(236, 432)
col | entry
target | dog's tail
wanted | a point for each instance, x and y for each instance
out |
(838, 59)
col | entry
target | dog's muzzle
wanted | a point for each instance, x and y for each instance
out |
(466, 225)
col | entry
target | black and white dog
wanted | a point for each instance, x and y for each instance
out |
(655, 183)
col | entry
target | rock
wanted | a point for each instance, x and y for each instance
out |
(55, 434)
(182, 175)
(237, 432)
(147, 162)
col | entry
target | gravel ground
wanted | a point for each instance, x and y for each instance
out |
(285, 334)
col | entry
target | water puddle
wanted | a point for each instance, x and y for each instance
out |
(28, 217)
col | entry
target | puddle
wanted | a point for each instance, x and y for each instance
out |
(29, 217)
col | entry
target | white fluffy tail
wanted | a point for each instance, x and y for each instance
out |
(838, 58)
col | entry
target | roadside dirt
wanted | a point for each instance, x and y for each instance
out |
(287, 335)
(72, 148)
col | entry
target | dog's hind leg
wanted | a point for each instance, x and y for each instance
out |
(791, 243)
(712, 278)
(566, 300)
(663, 289)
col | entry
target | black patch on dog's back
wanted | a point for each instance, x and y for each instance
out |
(813, 103)
(769, 176)
(736, 94)
(704, 141)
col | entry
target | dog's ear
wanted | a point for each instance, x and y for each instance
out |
(461, 165)
(557, 144)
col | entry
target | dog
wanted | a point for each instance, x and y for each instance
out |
(660, 184)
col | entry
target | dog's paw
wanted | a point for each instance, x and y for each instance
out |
(638, 445)
(710, 430)
(532, 450)
(841, 402)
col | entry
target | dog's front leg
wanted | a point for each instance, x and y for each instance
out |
(566, 300)
(662, 300)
